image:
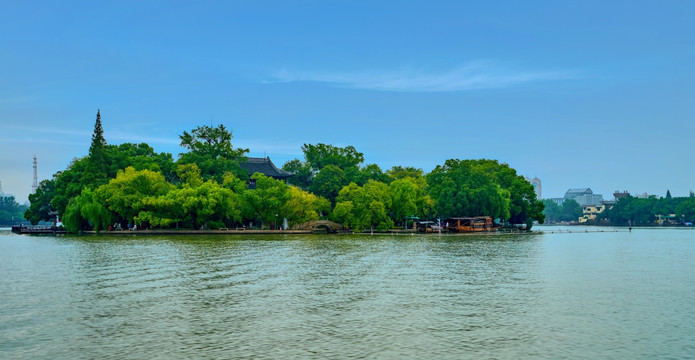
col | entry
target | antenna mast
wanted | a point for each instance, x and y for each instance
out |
(35, 185)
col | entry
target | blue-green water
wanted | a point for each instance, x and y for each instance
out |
(555, 295)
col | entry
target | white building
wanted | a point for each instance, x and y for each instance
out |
(536, 182)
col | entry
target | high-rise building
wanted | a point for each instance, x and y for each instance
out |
(536, 182)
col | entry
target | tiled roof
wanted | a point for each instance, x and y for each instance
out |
(265, 167)
(580, 191)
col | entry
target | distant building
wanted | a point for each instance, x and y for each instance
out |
(619, 195)
(590, 212)
(584, 196)
(536, 182)
(265, 167)
(558, 201)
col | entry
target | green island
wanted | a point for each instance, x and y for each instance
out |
(208, 187)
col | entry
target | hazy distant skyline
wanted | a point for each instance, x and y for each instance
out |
(579, 94)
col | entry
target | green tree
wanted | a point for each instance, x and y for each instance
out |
(92, 209)
(96, 171)
(124, 194)
(460, 188)
(321, 155)
(570, 210)
(686, 209)
(266, 201)
(141, 157)
(69, 184)
(303, 176)
(200, 204)
(399, 172)
(368, 172)
(302, 206)
(409, 198)
(364, 207)
(210, 148)
(328, 182)
(10, 211)
(524, 207)
(552, 211)
(40, 208)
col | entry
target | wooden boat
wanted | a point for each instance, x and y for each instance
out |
(470, 224)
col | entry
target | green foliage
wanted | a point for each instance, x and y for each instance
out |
(686, 209)
(464, 188)
(40, 208)
(369, 172)
(72, 217)
(206, 187)
(124, 194)
(409, 198)
(211, 142)
(364, 207)
(328, 182)
(205, 203)
(640, 211)
(321, 155)
(93, 210)
(524, 206)
(266, 201)
(210, 148)
(10, 211)
(568, 211)
(399, 172)
(483, 187)
(302, 206)
(141, 157)
(303, 176)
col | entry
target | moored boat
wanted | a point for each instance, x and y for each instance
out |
(470, 224)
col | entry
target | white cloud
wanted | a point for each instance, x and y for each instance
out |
(472, 76)
(22, 129)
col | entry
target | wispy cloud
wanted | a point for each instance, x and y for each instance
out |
(48, 130)
(471, 76)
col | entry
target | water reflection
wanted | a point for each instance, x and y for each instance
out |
(539, 296)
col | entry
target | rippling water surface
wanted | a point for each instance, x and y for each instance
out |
(609, 294)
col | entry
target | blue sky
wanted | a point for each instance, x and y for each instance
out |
(596, 94)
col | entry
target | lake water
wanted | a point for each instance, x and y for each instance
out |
(610, 295)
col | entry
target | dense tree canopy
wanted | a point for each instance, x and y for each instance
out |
(40, 208)
(364, 207)
(569, 211)
(10, 211)
(645, 211)
(210, 148)
(131, 184)
(483, 187)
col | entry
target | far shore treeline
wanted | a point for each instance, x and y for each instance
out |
(131, 184)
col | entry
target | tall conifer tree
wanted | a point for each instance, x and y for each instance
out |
(95, 173)
(98, 141)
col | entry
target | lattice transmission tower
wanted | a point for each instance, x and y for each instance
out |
(35, 185)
